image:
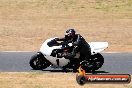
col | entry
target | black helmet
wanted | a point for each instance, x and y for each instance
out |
(70, 33)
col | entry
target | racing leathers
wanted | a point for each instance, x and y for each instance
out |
(79, 44)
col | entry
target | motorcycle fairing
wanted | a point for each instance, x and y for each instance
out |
(46, 50)
(97, 47)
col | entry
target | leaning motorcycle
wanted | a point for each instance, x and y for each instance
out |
(51, 55)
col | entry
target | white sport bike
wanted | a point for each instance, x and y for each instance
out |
(51, 51)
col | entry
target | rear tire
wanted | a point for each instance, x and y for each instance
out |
(94, 63)
(38, 63)
(98, 61)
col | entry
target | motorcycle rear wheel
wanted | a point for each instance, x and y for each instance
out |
(98, 61)
(94, 63)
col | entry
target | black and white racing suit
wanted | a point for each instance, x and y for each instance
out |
(80, 45)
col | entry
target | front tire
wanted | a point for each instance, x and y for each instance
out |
(38, 63)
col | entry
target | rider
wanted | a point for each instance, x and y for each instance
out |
(79, 43)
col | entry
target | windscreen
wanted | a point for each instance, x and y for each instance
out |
(52, 43)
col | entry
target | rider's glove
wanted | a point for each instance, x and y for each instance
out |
(56, 39)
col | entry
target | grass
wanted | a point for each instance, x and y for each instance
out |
(47, 80)
(25, 24)
(116, 5)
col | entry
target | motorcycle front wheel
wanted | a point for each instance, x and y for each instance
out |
(38, 63)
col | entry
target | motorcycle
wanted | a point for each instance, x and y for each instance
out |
(51, 55)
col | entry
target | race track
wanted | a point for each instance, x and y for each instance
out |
(19, 62)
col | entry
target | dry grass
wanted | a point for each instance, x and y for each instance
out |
(46, 80)
(25, 24)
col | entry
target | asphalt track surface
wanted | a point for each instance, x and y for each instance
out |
(19, 62)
